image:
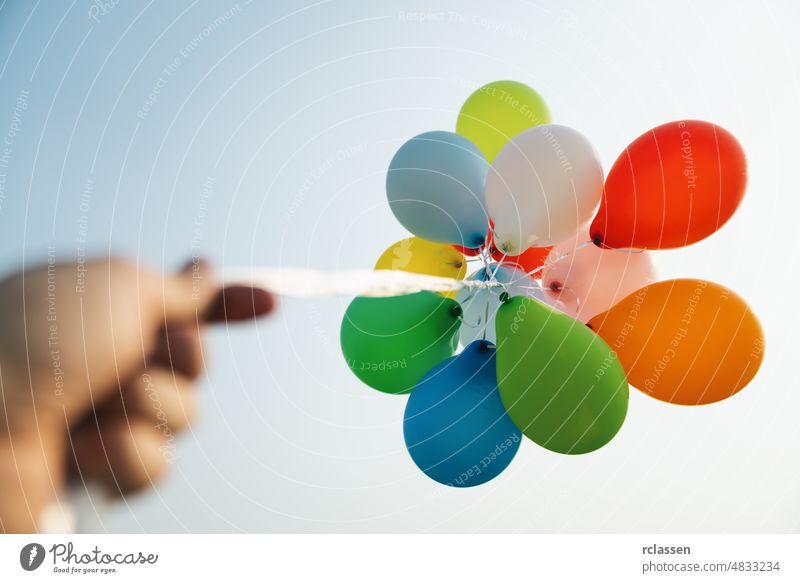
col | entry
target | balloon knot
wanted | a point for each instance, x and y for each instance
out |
(598, 241)
(478, 242)
(457, 312)
(504, 297)
(484, 345)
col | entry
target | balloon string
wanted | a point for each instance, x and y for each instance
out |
(627, 251)
(574, 295)
(486, 256)
(489, 271)
(467, 324)
(486, 320)
(505, 252)
(307, 283)
(502, 260)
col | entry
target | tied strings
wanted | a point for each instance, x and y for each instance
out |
(531, 284)
(306, 283)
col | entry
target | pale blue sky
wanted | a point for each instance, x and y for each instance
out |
(259, 133)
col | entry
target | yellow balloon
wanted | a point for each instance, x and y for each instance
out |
(417, 255)
(497, 112)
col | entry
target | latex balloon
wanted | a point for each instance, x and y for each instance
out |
(560, 382)
(420, 256)
(481, 305)
(455, 426)
(684, 341)
(542, 186)
(589, 280)
(528, 261)
(435, 188)
(466, 251)
(390, 343)
(674, 185)
(497, 112)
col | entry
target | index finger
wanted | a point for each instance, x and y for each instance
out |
(239, 302)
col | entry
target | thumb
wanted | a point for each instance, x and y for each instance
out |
(187, 294)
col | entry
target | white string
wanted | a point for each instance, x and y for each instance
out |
(577, 298)
(308, 283)
(627, 250)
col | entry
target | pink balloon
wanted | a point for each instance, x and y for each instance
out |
(589, 280)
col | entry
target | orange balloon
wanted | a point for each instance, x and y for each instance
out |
(673, 186)
(684, 341)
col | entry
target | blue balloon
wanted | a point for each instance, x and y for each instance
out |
(479, 306)
(455, 425)
(435, 187)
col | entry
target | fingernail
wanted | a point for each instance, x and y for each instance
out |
(238, 302)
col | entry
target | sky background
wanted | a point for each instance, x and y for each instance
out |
(259, 134)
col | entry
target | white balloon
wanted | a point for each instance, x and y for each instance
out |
(479, 306)
(544, 184)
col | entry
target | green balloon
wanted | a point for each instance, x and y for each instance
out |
(497, 112)
(390, 343)
(560, 382)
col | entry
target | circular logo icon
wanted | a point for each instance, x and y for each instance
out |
(31, 556)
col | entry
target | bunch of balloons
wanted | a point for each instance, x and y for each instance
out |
(575, 314)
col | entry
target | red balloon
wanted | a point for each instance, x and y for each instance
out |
(528, 260)
(466, 251)
(673, 186)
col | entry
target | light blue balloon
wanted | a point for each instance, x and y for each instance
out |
(479, 306)
(435, 188)
(455, 425)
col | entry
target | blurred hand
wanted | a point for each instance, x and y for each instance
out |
(97, 363)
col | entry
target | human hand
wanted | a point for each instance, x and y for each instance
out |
(97, 363)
